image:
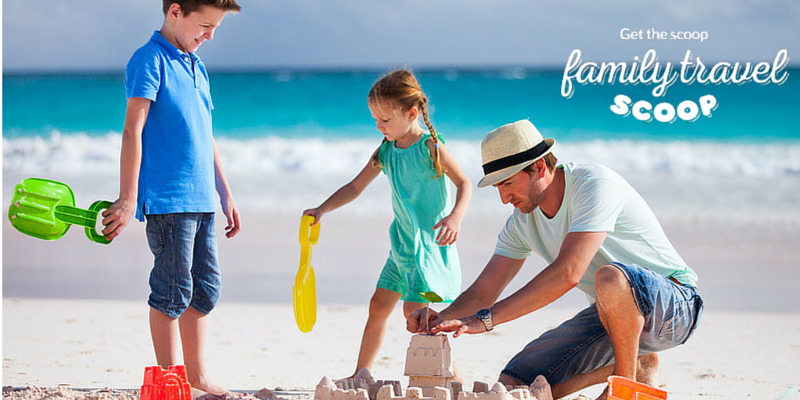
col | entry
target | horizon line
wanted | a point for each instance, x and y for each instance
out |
(309, 69)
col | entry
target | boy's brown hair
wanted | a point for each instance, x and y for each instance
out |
(190, 6)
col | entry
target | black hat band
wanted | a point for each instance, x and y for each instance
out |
(515, 159)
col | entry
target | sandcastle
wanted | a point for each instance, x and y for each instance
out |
(430, 374)
(428, 363)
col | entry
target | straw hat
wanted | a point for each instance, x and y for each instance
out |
(510, 148)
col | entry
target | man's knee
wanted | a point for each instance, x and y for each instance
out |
(610, 280)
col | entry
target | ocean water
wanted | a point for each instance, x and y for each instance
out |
(289, 138)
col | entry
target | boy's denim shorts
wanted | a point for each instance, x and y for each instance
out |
(186, 272)
(581, 344)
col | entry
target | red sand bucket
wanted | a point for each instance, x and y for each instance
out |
(169, 384)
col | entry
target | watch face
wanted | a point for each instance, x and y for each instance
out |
(485, 315)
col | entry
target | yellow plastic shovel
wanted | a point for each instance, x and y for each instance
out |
(304, 295)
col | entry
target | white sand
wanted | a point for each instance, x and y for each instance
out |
(741, 267)
(748, 343)
(91, 344)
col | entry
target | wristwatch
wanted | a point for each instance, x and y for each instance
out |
(485, 315)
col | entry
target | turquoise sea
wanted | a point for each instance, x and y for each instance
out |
(289, 138)
(467, 104)
(277, 128)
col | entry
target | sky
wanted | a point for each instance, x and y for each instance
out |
(57, 35)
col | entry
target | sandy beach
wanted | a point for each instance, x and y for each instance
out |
(74, 312)
(93, 344)
(289, 85)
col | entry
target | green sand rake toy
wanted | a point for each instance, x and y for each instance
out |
(46, 209)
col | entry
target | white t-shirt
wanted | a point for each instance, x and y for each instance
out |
(596, 199)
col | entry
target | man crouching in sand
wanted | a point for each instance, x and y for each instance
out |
(598, 234)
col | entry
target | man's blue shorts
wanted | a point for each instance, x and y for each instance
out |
(581, 344)
(186, 272)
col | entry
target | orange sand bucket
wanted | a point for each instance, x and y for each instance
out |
(304, 295)
(620, 388)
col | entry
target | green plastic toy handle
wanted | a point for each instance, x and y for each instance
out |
(91, 232)
(85, 218)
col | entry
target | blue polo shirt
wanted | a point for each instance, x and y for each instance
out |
(177, 170)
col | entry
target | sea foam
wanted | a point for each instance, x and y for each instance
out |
(696, 181)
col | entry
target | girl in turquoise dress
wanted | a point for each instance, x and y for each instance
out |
(423, 254)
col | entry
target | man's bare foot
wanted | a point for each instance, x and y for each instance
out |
(647, 369)
(541, 389)
(646, 372)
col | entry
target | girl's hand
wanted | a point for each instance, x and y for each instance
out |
(316, 213)
(449, 233)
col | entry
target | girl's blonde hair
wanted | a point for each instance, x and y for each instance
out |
(401, 90)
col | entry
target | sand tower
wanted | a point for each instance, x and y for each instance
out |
(428, 363)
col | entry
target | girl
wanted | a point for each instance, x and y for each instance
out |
(423, 255)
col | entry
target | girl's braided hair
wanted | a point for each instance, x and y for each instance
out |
(401, 89)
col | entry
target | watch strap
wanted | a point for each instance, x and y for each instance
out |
(485, 315)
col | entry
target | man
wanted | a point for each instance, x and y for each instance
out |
(598, 234)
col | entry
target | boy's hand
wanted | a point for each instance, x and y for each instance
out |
(232, 214)
(449, 233)
(116, 217)
(316, 213)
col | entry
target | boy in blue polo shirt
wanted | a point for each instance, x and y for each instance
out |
(169, 171)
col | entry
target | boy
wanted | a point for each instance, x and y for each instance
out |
(169, 170)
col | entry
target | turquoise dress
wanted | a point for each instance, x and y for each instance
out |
(416, 262)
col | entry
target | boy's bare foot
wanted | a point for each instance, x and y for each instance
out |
(198, 394)
(208, 391)
(541, 389)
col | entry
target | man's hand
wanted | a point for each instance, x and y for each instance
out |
(416, 321)
(116, 217)
(460, 326)
(437, 323)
